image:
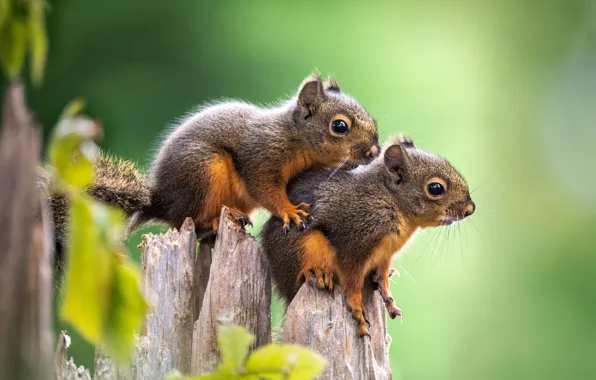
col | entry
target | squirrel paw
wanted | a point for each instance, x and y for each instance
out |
(240, 217)
(359, 314)
(295, 214)
(320, 279)
(392, 309)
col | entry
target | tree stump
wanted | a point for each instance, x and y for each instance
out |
(238, 291)
(321, 321)
(25, 260)
(168, 269)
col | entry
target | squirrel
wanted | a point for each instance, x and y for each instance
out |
(238, 155)
(362, 218)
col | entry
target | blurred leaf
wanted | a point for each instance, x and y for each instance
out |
(233, 342)
(210, 376)
(13, 44)
(89, 272)
(4, 11)
(38, 39)
(72, 151)
(102, 297)
(292, 362)
(72, 109)
(126, 312)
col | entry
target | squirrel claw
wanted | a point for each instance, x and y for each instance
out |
(393, 271)
(295, 215)
(363, 331)
(394, 311)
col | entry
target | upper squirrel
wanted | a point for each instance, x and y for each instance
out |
(242, 156)
(361, 219)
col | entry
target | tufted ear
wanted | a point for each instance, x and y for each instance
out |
(331, 85)
(311, 92)
(405, 141)
(396, 159)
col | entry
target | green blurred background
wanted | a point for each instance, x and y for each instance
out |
(506, 90)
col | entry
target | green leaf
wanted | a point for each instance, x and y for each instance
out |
(292, 362)
(126, 313)
(72, 151)
(233, 343)
(89, 272)
(13, 44)
(210, 376)
(72, 109)
(38, 40)
(102, 298)
(5, 10)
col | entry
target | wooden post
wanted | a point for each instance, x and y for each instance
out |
(66, 369)
(239, 291)
(201, 276)
(168, 269)
(25, 259)
(321, 321)
(106, 370)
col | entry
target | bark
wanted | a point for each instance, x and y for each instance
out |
(168, 269)
(25, 259)
(66, 369)
(321, 321)
(239, 291)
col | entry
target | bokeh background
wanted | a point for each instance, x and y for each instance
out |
(506, 90)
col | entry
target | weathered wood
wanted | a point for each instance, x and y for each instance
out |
(321, 321)
(239, 291)
(106, 370)
(66, 369)
(25, 284)
(201, 277)
(168, 268)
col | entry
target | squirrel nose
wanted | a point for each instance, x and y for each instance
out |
(470, 208)
(373, 152)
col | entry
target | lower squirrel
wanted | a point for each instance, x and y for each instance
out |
(238, 155)
(362, 218)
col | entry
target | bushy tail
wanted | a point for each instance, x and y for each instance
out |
(118, 182)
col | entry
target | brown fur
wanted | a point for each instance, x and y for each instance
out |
(235, 154)
(127, 190)
(361, 219)
(243, 156)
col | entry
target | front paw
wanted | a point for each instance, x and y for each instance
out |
(359, 314)
(320, 278)
(241, 218)
(295, 214)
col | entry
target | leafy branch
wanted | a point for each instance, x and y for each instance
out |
(271, 362)
(102, 297)
(22, 31)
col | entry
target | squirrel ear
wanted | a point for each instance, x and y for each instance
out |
(405, 141)
(311, 92)
(395, 158)
(331, 85)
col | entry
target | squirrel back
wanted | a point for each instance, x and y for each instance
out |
(238, 155)
(361, 219)
(242, 155)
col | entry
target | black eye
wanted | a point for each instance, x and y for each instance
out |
(436, 189)
(339, 127)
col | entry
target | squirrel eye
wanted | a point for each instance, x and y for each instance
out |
(436, 189)
(339, 125)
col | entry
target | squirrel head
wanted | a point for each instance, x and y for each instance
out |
(429, 190)
(335, 124)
